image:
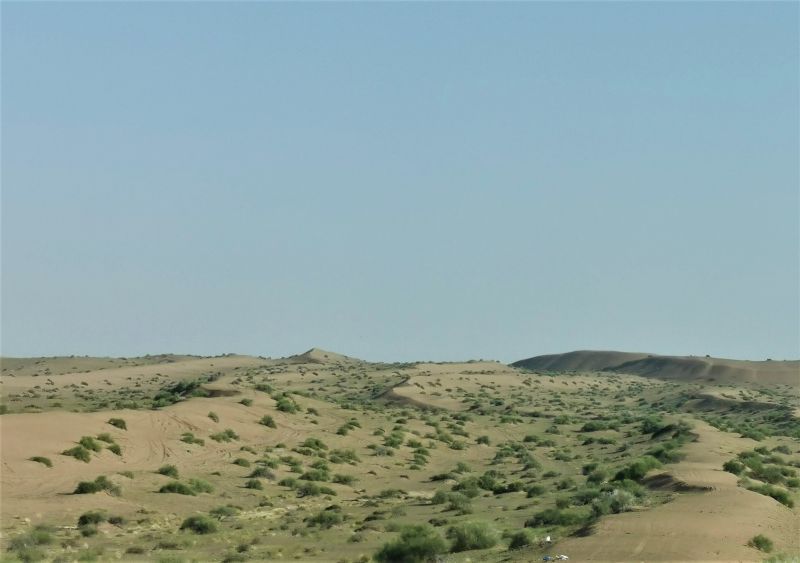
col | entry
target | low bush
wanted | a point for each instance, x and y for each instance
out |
(316, 475)
(190, 438)
(268, 421)
(343, 456)
(118, 422)
(262, 473)
(199, 525)
(42, 460)
(522, 538)
(761, 543)
(286, 404)
(471, 535)
(226, 511)
(254, 484)
(100, 484)
(200, 486)
(90, 444)
(781, 495)
(325, 519)
(637, 469)
(92, 517)
(416, 544)
(344, 479)
(25, 546)
(79, 453)
(178, 488)
(535, 491)
(226, 435)
(169, 471)
(556, 517)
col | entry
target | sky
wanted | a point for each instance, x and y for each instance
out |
(400, 181)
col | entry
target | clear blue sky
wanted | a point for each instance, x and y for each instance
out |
(400, 181)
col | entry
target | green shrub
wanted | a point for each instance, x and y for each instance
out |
(190, 438)
(286, 404)
(268, 421)
(92, 517)
(460, 503)
(200, 486)
(105, 437)
(80, 453)
(325, 519)
(25, 546)
(637, 469)
(169, 471)
(535, 491)
(246, 402)
(344, 479)
(761, 542)
(241, 462)
(90, 444)
(254, 484)
(778, 494)
(226, 511)
(213, 416)
(199, 525)
(115, 449)
(225, 436)
(178, 488)
(262, 473)
(597, 477)
(42, 460)
(471, 535)
(100, 484)
(522, 538)
(309, 489)
(343, 456)
(118, 422)
(316, 475)
(416, 544)
(652, 424)
(555, 517)
(290, 482)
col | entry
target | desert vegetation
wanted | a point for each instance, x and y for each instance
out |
(343, 460)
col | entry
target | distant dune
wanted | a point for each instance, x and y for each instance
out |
(319, 356)
(684, 368)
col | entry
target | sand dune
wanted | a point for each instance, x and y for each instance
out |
(684, 368)
(710, 519)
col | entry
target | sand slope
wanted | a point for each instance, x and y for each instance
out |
(684, 368)
(707, 526)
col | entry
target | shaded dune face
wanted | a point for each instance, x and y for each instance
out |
(684, 368)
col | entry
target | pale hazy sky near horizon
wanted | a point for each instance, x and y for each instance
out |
(400, 181)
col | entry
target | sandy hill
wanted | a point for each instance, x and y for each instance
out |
(685, 368)
(320, 356)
